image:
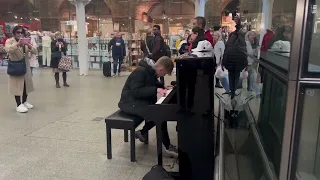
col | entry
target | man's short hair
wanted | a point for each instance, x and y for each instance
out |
(167, 63)
(157, 26)
(201, 21)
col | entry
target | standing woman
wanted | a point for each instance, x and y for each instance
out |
(58, 47)
(218, 52)
(252, 50)
(20, 86)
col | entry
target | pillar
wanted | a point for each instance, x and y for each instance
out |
(199, 7)
(266, 19)
(82, 40)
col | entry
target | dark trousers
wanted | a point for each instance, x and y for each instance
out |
(24, 96)
(233, 82)
(117, 60)
(140, 112)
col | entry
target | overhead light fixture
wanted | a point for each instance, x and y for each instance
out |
(9, 12)
(16, 17)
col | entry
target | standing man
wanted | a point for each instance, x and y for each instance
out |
(201, 23)
(118, 52)
(158, 46)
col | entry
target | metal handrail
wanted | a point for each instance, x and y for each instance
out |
(221, 143)
(269, 171)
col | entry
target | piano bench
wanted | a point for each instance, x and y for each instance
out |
(122, 120)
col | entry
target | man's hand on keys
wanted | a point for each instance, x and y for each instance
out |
(161, 91)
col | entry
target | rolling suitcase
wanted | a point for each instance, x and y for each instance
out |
(106, 69)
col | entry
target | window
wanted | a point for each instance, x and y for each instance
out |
(312, 40)
(308, 166)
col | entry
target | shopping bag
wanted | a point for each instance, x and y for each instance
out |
(65, 64)
(221, 73)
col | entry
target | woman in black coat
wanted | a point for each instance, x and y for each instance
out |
(58, 48)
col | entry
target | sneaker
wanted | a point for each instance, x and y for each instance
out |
(58, 86)
(139, 136)
(66, 85)
(172, 151)
(28, 105)
(22, 109)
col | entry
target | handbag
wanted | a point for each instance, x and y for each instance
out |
(157, 173)
(65, 64)
(17, 68)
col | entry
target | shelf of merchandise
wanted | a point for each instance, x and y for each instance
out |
(136, 52)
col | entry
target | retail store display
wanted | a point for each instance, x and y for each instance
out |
(46, 50)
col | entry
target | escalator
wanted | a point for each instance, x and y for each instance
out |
(240, 153)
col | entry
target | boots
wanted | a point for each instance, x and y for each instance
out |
(56, 77)
(64, 76)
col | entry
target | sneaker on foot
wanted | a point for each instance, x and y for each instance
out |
(66, 85)
(58, 86)
(172, 151)
(28, 105)
(22, 109)
(139, 136)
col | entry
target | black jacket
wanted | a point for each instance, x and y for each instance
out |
(119, 50)
(201, 37)
(56, 51)
(158, 47)
(140, 89)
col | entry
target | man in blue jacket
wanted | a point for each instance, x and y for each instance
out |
(118, 52)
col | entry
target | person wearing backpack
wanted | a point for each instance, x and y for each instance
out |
(235, 57)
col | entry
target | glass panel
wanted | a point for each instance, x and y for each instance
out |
(309, 147)
(312, 40)
(276, 43)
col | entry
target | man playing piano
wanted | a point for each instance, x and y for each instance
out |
(140, 90)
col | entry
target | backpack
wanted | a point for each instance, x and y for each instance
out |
(235, 56)
(157, 173)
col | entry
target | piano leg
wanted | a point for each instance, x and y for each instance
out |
(132, 145)
(159, 143)
(126, 135)
(108, 134)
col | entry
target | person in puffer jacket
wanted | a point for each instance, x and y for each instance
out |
(140, 90)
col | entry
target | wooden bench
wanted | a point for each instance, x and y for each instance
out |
(121, 120)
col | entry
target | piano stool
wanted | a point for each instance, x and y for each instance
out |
(122, 120)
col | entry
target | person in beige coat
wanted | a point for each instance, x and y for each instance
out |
(20, 86)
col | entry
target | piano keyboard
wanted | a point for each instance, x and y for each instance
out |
(160, 100)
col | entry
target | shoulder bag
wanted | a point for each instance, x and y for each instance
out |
(17, 68)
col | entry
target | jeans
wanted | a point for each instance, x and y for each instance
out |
(117, 60)
(252, 79)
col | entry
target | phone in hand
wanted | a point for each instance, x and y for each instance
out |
(25, 40)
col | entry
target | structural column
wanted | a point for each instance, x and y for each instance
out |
(199, 7)
(266, 18)
(82, 40)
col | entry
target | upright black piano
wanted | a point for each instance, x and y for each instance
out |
(191, 104)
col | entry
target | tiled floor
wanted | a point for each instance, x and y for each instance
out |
(64, 136)
(60, 139)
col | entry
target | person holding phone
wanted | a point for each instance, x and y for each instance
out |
(58, 48)
(18, 49)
